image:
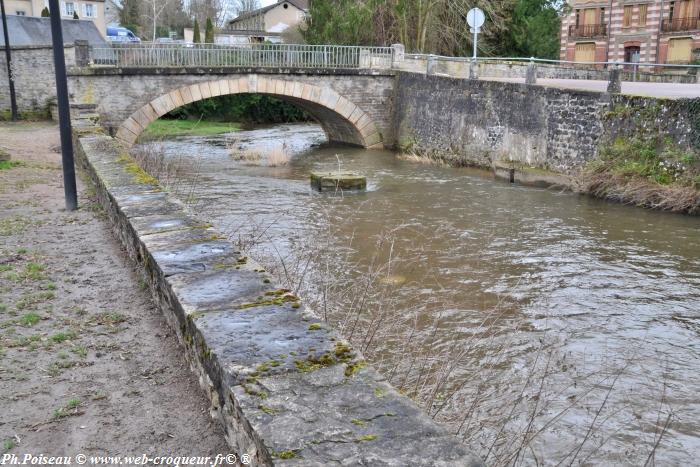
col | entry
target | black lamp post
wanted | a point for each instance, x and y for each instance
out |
(8, 58)
(63, 107)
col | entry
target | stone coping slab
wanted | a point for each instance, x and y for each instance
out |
(287, 389)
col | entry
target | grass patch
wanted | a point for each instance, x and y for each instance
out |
(63, 336)
(68, 410)
(34, 271)
(14, 225)
(30, 300)
(7, 165)
(56, 368)
(30, 319)
(81, 351)
(649, 172)
(163, 128)
(108, 318)
(291, 454)
(24, 341)
(8, 445)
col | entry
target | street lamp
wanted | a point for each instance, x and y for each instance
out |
(59, 61)
(8, 59)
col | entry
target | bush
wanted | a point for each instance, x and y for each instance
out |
(250, 108)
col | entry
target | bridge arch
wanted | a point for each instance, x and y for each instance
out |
(341, 119)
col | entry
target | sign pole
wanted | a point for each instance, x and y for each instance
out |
(59, 60)
(8, 59)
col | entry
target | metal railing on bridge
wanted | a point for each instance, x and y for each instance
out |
(148, 55)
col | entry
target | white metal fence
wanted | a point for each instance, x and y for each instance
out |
(246, 55)
(514, 67)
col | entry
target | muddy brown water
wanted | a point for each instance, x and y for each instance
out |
(581, 317)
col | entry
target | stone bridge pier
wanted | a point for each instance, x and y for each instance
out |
(353, 106)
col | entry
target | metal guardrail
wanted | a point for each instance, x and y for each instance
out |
(526, 60)
(148, 55)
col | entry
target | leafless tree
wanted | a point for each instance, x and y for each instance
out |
(153, 9)
(246, 5)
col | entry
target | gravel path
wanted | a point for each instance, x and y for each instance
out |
(87, 364)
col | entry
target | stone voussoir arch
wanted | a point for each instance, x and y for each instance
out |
(341, 119)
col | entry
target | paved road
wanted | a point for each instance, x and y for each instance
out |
(670, 90)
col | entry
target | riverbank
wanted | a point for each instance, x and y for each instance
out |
(87, 363)
(163, 128)
(632, 172)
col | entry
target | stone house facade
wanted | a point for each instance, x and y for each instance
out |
(93, 10)
(644, 31)
(275, 18)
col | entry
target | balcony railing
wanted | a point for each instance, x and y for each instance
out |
(588, 30)
(680, 24)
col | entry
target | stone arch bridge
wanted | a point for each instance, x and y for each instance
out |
(352, 105)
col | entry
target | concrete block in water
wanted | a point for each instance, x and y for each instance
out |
(331, 181)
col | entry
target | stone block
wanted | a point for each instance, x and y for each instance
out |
(176, 98)
(205, 90)
(233, 86)
(288, 88)
(298, 89)
(214, 88)
(133, 126)
(186, 94)
(195, 92)
(264, 85)
(252, 83)
(244, 85)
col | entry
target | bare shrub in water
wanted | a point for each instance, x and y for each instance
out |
(278, 156)
(241, 154)
(151, 158)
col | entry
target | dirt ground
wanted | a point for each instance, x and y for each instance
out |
(87, 363)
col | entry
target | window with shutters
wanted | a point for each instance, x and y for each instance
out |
(627, 16)
(584, 52)
(680, 50)
(643, 15)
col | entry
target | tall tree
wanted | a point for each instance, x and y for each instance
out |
(130, 16)
(209, 32)
(522, 27)
(196, 38)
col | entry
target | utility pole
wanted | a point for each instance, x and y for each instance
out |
(8, 59)
(63, 108)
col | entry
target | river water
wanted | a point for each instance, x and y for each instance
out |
(543, 327)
